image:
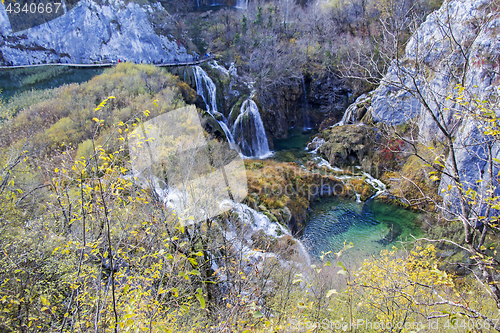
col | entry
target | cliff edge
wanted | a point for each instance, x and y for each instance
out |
(92, 31)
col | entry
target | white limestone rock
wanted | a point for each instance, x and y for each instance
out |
(91, 32)
(470, 24)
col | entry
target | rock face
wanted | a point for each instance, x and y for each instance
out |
(328, 94)
(282, 109)
(457, 44)
(305, 103)
(347, 145)
(90, 32)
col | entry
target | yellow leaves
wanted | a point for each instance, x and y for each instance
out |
(396, 277)
(103, 103)
(44, 301)
(298, 279)
(302, 305)
(199, 296)
(433, 176)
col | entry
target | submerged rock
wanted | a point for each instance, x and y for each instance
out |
(394, 232)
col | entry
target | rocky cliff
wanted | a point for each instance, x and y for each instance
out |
(311, 102)
(457, 44)
(92, 31)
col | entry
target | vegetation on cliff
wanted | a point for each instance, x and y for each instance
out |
(87, 247)
(285, 191)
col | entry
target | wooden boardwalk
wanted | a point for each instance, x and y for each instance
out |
(173, 64)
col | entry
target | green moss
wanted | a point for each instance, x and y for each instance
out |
(235, 109)
(271, 217)
(347, 145)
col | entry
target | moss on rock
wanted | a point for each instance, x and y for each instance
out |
(348, 144)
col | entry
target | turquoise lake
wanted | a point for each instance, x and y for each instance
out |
(370, 226)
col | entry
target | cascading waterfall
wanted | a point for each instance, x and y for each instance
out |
(348, 117)
(206, 88)
(249, 133)
(253, 222)
(248, 129)
(351, 115)
(305, 107)
(242, 4)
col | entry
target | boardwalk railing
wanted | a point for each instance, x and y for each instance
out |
(100, 65)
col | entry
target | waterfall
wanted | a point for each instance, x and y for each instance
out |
(349, 116)
(376, 183)
(242, 4)
(248, 129)
(254, 221)
(206, 88)
(321, 162)
(249, 133)
(305, 107)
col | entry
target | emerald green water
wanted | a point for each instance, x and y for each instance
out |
(371, 227)
(292, 149)
(297, 139)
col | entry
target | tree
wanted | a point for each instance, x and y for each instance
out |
(459, 129)
(244, 25)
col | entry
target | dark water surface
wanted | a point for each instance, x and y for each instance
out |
(297, 139)
(17, 80)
